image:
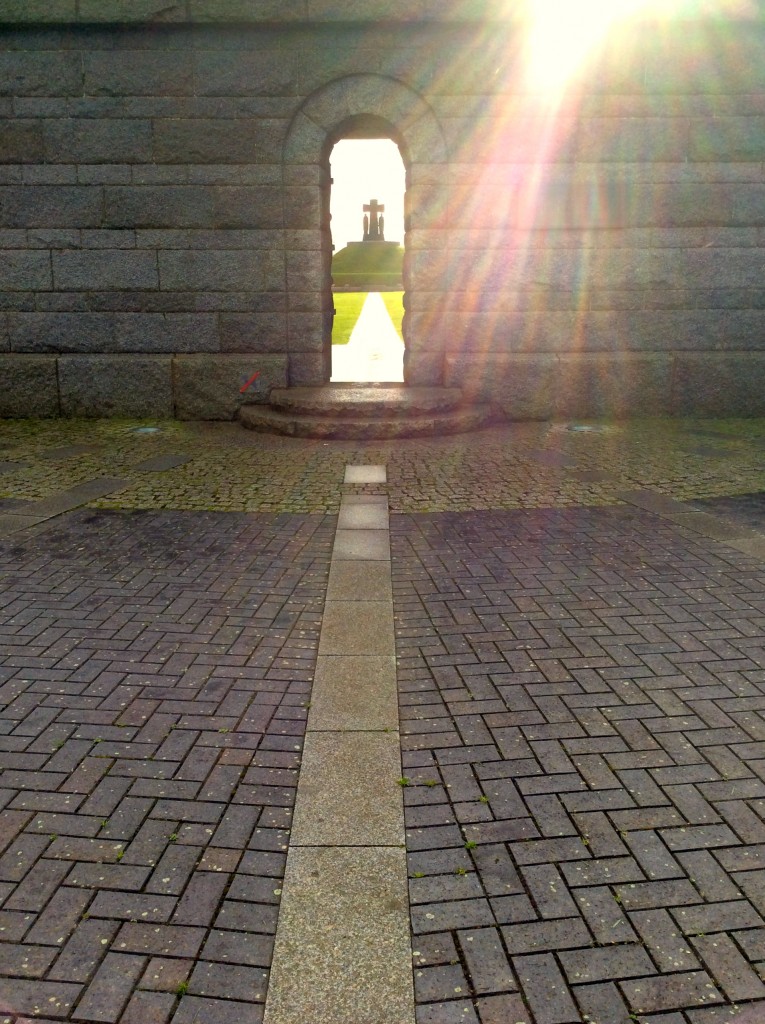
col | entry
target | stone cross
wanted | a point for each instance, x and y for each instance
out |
(374, 232)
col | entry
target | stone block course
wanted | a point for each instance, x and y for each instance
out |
(221, 270)
(174, 207)
(218, 140)
(109, 385)
(272, 72)
(168, 73)
(44, 73)
(131, 10)
(253, 332)
(102, 140)
(104, 270)
(706, 383)
(209, 387)
(20, 141)
(21, 271)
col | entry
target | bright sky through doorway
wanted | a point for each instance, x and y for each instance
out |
(365, 169)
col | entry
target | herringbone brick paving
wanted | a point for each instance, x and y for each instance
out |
(154, 674)
(583, 721)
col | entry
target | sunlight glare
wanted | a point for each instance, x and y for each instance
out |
(563, 35)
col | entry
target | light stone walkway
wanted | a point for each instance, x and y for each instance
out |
(343, 953)
(374, 353)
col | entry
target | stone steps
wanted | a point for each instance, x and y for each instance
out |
(360, 412)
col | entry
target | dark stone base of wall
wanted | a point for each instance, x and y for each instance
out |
(204, 387)
(595, 385)
(521, 387)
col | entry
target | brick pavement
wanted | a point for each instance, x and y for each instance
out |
(154, 678)
(582, 695)
(583, 723)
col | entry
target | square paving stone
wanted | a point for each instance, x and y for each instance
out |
(362, 517)
(362, 544)
(352, 693)
(344, 914)
(82, 493)
(10, 523)
(710, 526)
(652, 501)
(365, 475)
(360, 580)
(364, 627)
(348, 793)
(70, 451)
(161, 463)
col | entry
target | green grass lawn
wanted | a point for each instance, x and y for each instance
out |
(394, 303)
(347, 309)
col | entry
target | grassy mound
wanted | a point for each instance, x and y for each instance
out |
(368, 267)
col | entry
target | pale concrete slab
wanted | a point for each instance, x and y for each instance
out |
(754, 546)
(343, 953)
(366, 475)
(711, 526)
(653, 501)
(364, 499)
(360, 580)
(364, 627)
(354, 693)
(75, 496)
(362, 544)
(162, 463)
(10, 523)
(70, 451)
(348, 793)
(362, 517)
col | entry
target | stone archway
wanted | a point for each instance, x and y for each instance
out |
(353, 104)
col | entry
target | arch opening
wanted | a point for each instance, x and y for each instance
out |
(366, 202)
(365, 106)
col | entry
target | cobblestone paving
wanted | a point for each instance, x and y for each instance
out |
(154, 675)
(523, 465)
(583, 723)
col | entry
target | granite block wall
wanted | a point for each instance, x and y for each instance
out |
(589, 246)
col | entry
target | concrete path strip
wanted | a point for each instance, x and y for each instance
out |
(343, 951)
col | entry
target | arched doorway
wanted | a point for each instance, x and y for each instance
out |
(368, 244)
(364, 106)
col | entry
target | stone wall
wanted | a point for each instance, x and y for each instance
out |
(591, 248)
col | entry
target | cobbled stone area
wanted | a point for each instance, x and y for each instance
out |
(582, 696)
(225, 468)
(154, 674)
